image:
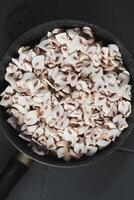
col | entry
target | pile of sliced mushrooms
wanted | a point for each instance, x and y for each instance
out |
(68, 96)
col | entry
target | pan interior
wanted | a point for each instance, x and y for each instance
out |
(32, 37)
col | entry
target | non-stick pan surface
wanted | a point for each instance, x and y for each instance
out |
(32, 37)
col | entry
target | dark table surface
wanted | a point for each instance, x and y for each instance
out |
(112, 178)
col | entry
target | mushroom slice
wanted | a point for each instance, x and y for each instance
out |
(23, 49)
(79, 149)
(16, 62)
(25, 136)
(42, 140)
(64, 51)
(44, 45)
(76, 114)
(68, 105)
(70, 135)
(57, 30)
(61, 152)
(99, 85)
(13, 122)
(62, 38)
(113, 111)
(124, 77)
(50, 143)
(101, 143)
(23, 100)
(11, 80)
(20, 121)
(46, 109)
(113, 50)
(113, 133)
(24, 127)
(95, 60)
(42, 96)
(117, 118)
(14, 112)
(110, 125)
(88, 31)
(113, 97)
(75, 94)
(38, 62)
(91, 150)
(9, 91)
(67, 90)
(32, 128)
(86, 70)
(122, 124)
(12, 68)
(82, 85)
(124, 108)
(71, 59)
(58, 112)
(72, 33)
(20, 108)
(38, 132)
(82, 129)
(38, 151)
(31, 117)
(72, 79)
(74, 155)
(62, 143)
(30, 55)
(27, 67)
(99, 99)
(105, 51)
(50, 131)
(61, 79)
(6, 100)
(62, 123)
(75, 44)
(125, 91)
(106, 108)
(53, 73)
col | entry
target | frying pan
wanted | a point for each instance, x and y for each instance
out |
(19, 164)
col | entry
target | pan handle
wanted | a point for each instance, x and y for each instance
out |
(15, 169)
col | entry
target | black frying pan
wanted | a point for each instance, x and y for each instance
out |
(19, 164)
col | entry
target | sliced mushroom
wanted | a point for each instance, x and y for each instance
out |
(62, 38)
(103, 143)
(13, 122)
(72, 79)
(70, 135)
(72, 33)
(32, 128)
(124, 108)
(38, 62)
(50, 143)
(82, 85)
(71, 59)
(75, 44)
(31, 117)
(122, 124)
(61, 152)
(91, 150)
(6, 100)
(62, 123)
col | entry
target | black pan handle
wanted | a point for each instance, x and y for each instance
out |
(15, 169)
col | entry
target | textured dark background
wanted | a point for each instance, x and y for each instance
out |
(110, 179)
